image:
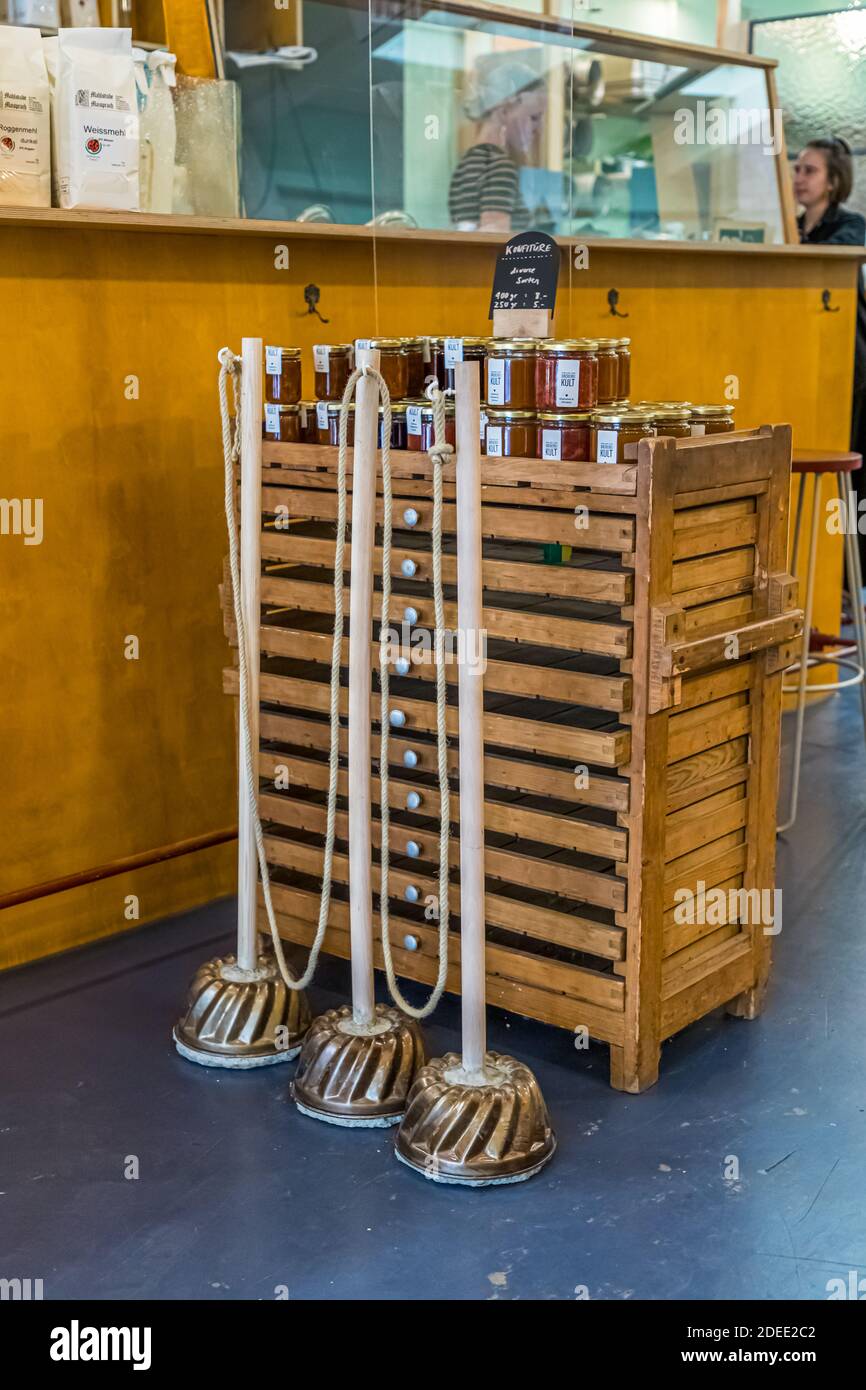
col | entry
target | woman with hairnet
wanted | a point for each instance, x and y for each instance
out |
(508, 105)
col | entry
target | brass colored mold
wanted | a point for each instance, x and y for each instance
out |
(237, 1018)
(352, 1076)
(476, 1132)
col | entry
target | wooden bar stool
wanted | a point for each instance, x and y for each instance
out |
(815, 463)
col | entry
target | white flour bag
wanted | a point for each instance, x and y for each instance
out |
(25, 123)
(96, 115)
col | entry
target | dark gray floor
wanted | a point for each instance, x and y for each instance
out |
(238, 1194)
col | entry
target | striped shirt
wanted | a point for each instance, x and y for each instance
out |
(486, 180)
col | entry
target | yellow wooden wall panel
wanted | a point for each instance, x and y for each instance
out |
(103, 757)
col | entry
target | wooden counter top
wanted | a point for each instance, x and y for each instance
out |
(240, 226)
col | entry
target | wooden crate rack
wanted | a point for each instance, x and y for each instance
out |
(632, 709)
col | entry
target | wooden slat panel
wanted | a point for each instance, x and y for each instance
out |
(712, 514)
(722, 858)
(564, 581)
(566, 832)
(728, 564)
(547, 875)
(566, 929)
(692, 779)
(503, 472)
(725, 812)
(714, 536)
(513, 773)
(539, 628)
(686, 968)
(709, 733)
(601, 532)
(530, 736)
(678, 934)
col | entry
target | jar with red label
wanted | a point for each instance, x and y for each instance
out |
(616, 434)
(450, 351)
(393, 365)
(567, 375)
(332, 363)
(608, 370)
(623, 352)
(511, 434)
(398, 425)
(309, 427)
(282, 375)
(419, 425)
(282, 424)
(511, 364)
(563, 436)
(328, 423)
(711, 419)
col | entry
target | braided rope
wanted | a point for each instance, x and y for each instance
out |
(230, 365)
(440, 452)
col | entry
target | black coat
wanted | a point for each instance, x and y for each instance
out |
(841, 227)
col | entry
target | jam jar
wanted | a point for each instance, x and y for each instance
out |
(451, 350)
(282, 424)
(282, 375)
(623, 352)
(332, 363)
(511, 434)
(671, 418)
(328, 423)
(615, 434)
(712, 419)
(309, 427)
(564, 436)
(419, 365)
(419, 425)
(567, 374)
(608, 371)
(511, 364)
(393, 366)
(398, 425)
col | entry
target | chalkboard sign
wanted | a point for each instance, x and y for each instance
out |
(527, 269)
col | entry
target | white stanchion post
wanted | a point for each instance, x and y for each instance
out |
(360, 673)
(250, 548)
(471, 707)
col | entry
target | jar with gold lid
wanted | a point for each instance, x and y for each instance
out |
(419, 425)
(282, 424)
(712, 419)
(282, 375)
(328, 423)
(672, 418)
(567, 374)
(332, 364)
(511, 434)
(623, 352)
(616, 434)
(608, 370)
(511, 364)
(393, 365)
(564, 436)
(450, 351)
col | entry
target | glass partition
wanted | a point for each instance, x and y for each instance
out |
(461, 117)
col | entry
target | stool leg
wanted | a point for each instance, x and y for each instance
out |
(855, 581)
(804, 653)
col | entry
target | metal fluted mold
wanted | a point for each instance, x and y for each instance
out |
(358, 1078)
(241, 1023)
(476, 1134)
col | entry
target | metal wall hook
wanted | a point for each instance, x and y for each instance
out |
(311, 298)
(613, 300)
(825, 302)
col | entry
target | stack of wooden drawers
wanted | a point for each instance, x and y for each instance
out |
(632, 700)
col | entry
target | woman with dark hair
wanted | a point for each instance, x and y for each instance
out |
(823, 179)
